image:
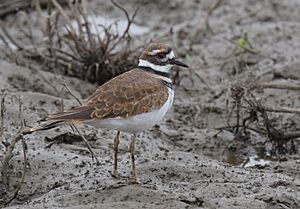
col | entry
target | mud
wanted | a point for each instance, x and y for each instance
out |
(186, 161)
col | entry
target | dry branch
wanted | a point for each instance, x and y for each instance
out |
(87, 143)
(63, 13)
(76, 51)
(23, 173)
(129, 22)
(8, 153)
(63, 83)
(12, 6)
(277, 86)
(2, 111)
(211, 9)
(281, 109)
(9, 37)
(242, 95)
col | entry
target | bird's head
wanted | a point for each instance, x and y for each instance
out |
(159, 57)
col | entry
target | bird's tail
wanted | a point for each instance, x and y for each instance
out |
(73, 116)
(47, 125)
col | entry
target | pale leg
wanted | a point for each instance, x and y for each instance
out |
(132, 150)
(115, 165)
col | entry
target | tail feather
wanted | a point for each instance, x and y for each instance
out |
(75, 115)
(78, 113)
(47, 125)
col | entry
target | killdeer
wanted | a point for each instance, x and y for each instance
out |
(131, 102)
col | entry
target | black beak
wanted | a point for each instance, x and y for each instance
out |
(177, 62)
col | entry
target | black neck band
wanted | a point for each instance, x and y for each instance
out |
(149, 69)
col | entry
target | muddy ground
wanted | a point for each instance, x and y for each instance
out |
(188, 160)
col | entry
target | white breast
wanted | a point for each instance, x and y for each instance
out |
(136, 123)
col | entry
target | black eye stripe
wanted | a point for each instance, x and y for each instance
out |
(161, 54)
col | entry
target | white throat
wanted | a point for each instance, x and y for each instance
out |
(160, 68)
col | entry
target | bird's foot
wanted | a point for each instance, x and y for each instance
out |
(115, 174)
(133, 180)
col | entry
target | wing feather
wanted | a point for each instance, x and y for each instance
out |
(131, 93)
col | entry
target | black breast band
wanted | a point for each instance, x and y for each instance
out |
(149, 69)
(166, 83)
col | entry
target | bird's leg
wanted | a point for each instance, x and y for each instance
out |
(116, 144)
(132, 150)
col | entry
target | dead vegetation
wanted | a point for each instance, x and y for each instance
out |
(249, 110)
(24, 130)
(8, 154)
(242, 102)
(12, 6)
(72, 44)
(251, 114)
(10, 143)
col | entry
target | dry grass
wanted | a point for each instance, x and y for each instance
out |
(70, 47)
(252, 115)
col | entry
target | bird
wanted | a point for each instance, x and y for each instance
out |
(131, 102)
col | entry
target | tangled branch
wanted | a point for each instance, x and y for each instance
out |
(79, 52)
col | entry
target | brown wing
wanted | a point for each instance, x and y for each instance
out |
(131, 93)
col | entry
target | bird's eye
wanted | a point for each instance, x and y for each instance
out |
(161, 55)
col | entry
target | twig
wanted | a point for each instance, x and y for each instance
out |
(49, 34)
(62, 82)
(68, 54)
(9, 151)
(62, 99)
(280, 109)
(129, 21)
(2, 111)
(87, 143)
(20, 112)
(251, 50)
(8, 154)
(277, 86)
(238, 105)
(63, 13)
(6, 33)
(23, 174)
(92, 41)
(44, 79)
(211, 9)
(248, 15)
(6, 43)
(127, 17)
(29, 34)
(289, 136)
(217, 95)
(241, 126)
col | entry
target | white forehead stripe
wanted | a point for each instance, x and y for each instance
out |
(154, 52)
(170, 55)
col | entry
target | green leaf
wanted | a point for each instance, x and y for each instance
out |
(241, 42)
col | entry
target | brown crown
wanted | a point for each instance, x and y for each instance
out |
(152, 50)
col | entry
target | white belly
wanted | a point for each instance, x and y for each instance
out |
(136, 123)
